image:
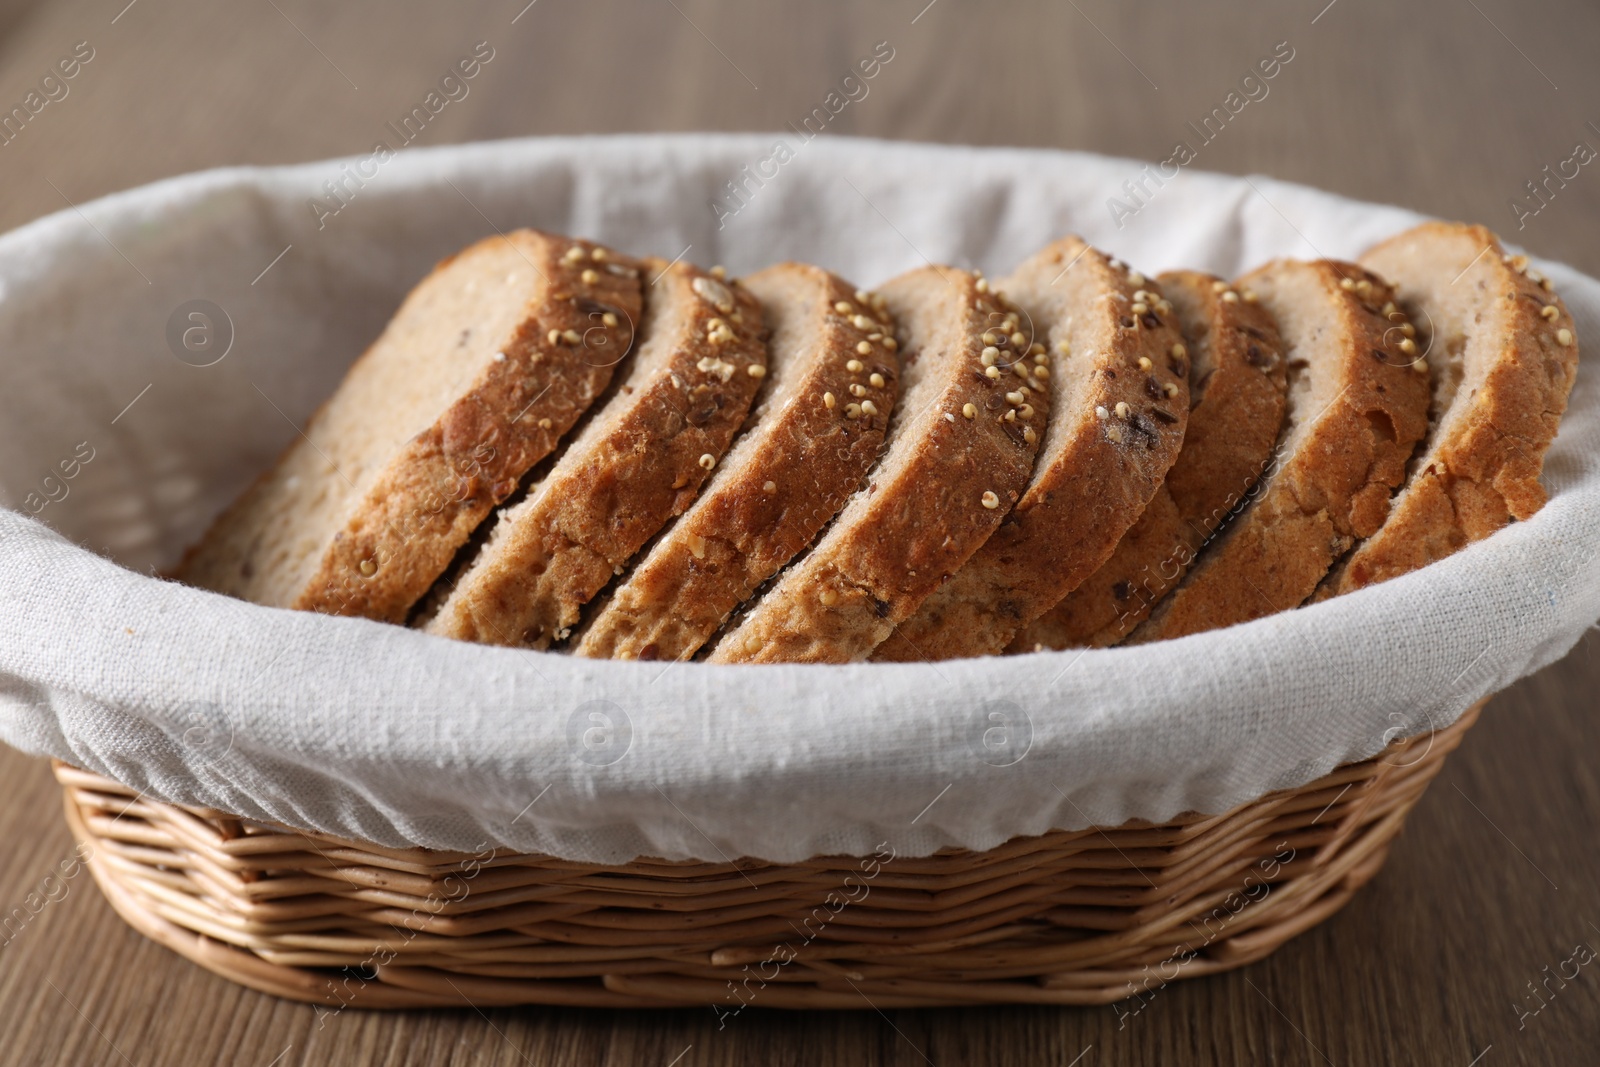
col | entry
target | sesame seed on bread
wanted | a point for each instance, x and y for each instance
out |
(1357, 406)
(638, 463)
(1504, 354)
(1116, 423)
(1237, 383)
(488, 362)
(792, 468)
(957, 456)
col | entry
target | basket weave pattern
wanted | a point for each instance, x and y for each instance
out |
(1068, 917)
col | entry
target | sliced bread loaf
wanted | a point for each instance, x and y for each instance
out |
(1357, 406)
(957, 458)
(1504, 354)
(792, 468)
(639, 462)
(1115, 426)
(1238, 377)
(488, 362)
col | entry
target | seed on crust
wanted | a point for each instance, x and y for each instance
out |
(885, 550)
(639, 462)
(1233, 424)
(426, 468)
(1075, 297)
(714, 292)
(674, 602)
(1499, 390)
(1352, 423)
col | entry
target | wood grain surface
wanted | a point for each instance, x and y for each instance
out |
(1449, 107)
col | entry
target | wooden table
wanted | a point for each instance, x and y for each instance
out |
(1448, 107)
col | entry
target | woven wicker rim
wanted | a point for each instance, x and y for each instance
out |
(1068, 917)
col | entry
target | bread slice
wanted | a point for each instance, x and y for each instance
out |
(1357, 406)
(1504, 354)
(1116, 423)
(1237, 382)
(957, 458)
(488, 362)
(639, 462)
(790, 471)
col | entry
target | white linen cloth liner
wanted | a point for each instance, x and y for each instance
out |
(378, 733)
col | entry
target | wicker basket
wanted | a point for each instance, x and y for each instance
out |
(1080, 917)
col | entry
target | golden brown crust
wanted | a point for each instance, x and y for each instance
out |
(1237, 400)
(1358, 406)
(789, 473)
(1494, 324)
(640, 462)
(402, 532)
(1116, 425)
(945, 482)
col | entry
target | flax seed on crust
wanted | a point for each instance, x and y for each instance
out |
(1237, 381)
(1120, 404)
(1503, 355)
(922, 512)
(1356, 409)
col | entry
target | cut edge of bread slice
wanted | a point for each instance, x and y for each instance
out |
(1504, 354)
(1118, 410)
(787, 475)
(957, 456)
(1357, 406)
(640, 461)
(1237, 397)
(487, 363)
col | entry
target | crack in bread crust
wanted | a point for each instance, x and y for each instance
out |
(1237, 385)
(639, 463)
(1119, 410)
(351, 521)
(1357, 406)
(791, 470)
(957, 457)
(1493, 332)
